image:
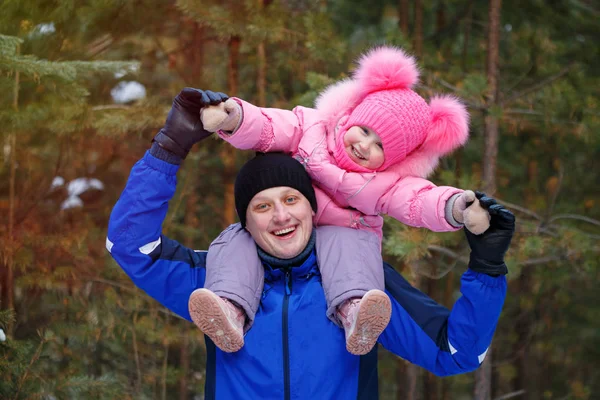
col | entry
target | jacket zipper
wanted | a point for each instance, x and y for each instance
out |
(286, 349)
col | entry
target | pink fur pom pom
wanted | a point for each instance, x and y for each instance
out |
(386, 68)
(449, 127)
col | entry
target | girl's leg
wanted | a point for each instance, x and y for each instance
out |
(352, 274)
(225, 308)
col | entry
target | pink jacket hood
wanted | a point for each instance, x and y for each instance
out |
(384, 68)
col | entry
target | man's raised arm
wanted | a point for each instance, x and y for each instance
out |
(451, 342)
(162, 267)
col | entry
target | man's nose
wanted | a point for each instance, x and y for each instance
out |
(281, 213)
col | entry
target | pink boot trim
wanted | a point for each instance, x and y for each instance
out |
(219, 319)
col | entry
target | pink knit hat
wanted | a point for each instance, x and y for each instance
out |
(403, 119)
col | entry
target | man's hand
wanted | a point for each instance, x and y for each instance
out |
(488, 249)
(183, 127)
(222, 117)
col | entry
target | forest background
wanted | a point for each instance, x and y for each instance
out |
(86, 84)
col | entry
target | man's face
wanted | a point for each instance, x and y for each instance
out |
(280, 221)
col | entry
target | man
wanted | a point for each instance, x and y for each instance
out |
(293, 350)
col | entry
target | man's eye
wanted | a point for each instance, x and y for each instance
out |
(261, 207)
(291, 199)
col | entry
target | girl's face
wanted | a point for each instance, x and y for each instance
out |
(364, 147)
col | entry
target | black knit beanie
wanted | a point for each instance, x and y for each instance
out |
(269, 170)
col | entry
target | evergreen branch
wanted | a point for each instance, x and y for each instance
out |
(31, 66)
(9, 44)
(35, 357)
(574, 216)
(538, 85)
(102, 66)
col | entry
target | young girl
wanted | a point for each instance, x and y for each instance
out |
(367, 146)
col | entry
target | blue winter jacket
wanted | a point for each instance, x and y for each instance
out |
(293, 351)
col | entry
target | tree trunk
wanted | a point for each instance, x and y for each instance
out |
(491, 121)
(412, 371)
(233, 65)
(483, 379)
(403, 17)
(412, 379)
(190, 220)
(184, 360)
(468, 23)
(430, 383)
(7, 285)
(228, 153)
(430, 387)
(448, 292)
(440, 22)
(483, 376)
(261, 73)
(261, 77)
(521, 348)
(195, 55)
(401, 379)
(418, 30)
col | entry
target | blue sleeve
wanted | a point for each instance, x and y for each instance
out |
(442, 341)
(162, 267)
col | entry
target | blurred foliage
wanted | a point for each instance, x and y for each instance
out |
(81, 330)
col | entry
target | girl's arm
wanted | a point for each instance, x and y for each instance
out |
(266, 129)
(418, 202)
(162, 267)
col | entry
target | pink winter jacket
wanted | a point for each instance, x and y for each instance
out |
(344, 198)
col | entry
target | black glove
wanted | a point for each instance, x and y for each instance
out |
(488, 249)
(183, 127)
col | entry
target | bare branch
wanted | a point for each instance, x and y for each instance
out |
(520, 209)
(448, 85)
(512, 111)
(446, 251)
(538, 85)
(522, 111)
(519, 80)
(111, 107)
(574, 216)
(510, 395)
(541, 260)
(180, 72)
(115, 284)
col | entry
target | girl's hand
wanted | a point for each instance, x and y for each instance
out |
(224, 116)
(468, 211)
